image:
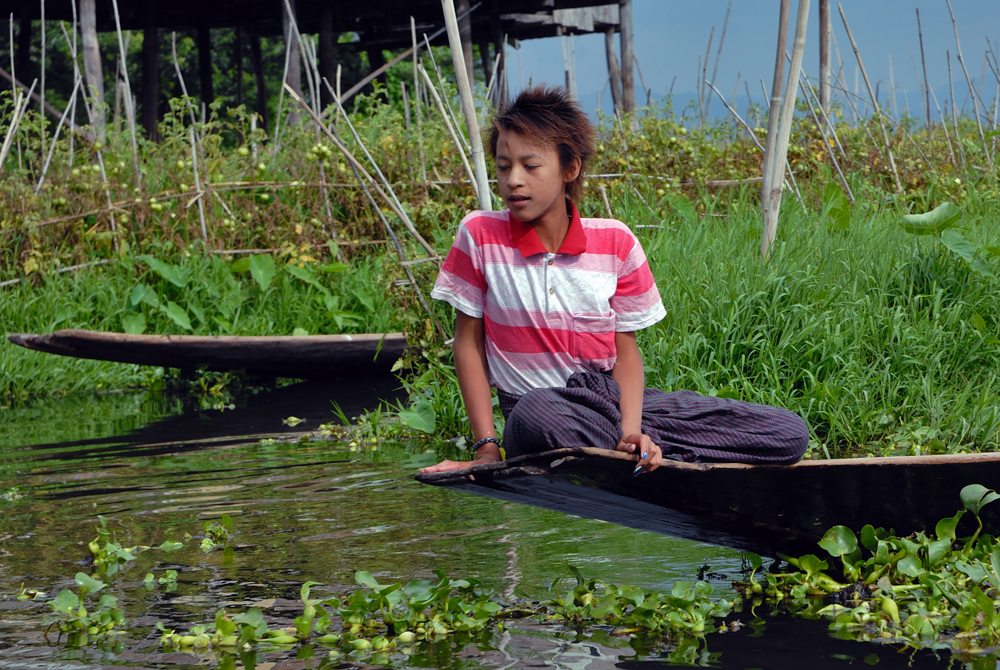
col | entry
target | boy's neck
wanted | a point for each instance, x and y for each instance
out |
(552, 228)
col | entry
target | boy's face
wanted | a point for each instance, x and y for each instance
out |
(531, 181)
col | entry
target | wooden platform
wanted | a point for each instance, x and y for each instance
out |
(305, 357)
(760, 508)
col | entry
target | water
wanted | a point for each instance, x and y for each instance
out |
(318, 511)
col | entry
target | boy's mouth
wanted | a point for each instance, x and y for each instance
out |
(517, 198)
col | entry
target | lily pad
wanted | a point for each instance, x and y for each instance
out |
(942, 217)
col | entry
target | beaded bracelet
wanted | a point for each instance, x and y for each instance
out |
(483, 441)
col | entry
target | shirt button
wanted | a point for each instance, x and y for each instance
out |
(551, 262)
(552, 291)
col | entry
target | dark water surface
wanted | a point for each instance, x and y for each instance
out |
(319, 511)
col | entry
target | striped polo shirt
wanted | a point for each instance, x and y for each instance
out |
(548, 315)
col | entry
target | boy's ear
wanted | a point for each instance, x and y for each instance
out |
(573, 170)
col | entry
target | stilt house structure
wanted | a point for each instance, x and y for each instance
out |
(380, 25)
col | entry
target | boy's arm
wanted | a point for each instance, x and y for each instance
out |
(474, 382)
(631, 378)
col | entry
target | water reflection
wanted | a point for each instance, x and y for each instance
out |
(318, 511)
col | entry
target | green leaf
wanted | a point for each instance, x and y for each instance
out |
(334, 268)
(177, 315)
(421, 416)
(839, 541)
(976, 496)
(959, 245)
(992, 133)
(365, 299)
(304, 591)
(66, 602)
(909, 566)
(88, 584)
(143, 294)
(364, 578)
(942, 217)
(172, 273)
(982, 268)
(170, 545)
(262, 270)
(945, 529)
(306, 275)
(240, 265)
(837, 206)
(134, 323)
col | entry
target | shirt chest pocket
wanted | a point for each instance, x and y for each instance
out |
(594, 338)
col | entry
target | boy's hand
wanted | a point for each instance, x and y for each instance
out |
(650, 455)
(445, 466)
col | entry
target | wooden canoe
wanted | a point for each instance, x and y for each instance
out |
(302, 357)
(760, 508)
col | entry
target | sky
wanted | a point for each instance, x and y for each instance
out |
(671, 35)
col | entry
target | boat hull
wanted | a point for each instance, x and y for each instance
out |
(302, 357)
(765, 509)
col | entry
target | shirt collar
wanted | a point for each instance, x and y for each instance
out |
(526, 238)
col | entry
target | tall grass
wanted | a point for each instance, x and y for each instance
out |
(879, 339)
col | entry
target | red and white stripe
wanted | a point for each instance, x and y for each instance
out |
(548, 315)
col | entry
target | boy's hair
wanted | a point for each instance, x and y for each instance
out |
(549, 116)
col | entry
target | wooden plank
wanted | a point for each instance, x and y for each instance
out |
(302, 357)
(761, 508)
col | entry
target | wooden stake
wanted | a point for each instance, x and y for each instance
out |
(614, 71)
(129, 106)
(92, 66)
(770, 186)
(824, 56)
(927, 86)
(468, 107)
(871, 93)
(968, 79)
(628, 55)
(776, 163)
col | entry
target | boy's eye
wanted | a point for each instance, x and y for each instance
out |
(502, 168)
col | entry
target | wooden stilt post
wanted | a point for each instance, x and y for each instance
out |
(484, 57)
(327, 68)
(150, 72)
(824, 55)
(205, 64)
(468, 108)
(465, 32)
(614, 71)
(500, 93)
(628, 55)
(293, 75)
(258, 72)
(238, 64)
(22, 64)
(92, 64)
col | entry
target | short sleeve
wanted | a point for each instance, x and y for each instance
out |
(462, 282)
(636, 302)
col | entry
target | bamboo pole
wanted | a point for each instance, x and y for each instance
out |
(769, 180)
(451, 131)
(790, 182)
(21, 102)
(954, 110)
(418, 110)
(55, 136)
(718, 57)
(824, 56)
(975, 101)
(92, 65)
(628, 55)
(468, 107)
(927, 86)
(129, 107)
(871, 93)
(446, 98)
(42, 83)
(776, 162)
